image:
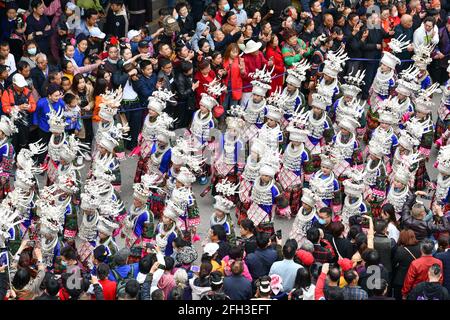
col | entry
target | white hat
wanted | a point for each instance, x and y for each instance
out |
(7, 126)
(297, 74)
(223, 204)
(106, 226)
(19, 80)
(133, 33)
(422, 55)
(334, 62)
(111, 101)
(353, 83)
(211, 248)
(387, 116)
(270, 164)
(252, 46)
(298, 135)
(275, 113)
(407, 141)
(390, 60)
(67, 182)
(308, 197)
(402, 174)
(71, 6)
(376, 149)
(258, 146)
(262, 79)
(348, 123)
(208, 102)
(97, 33)
(327, 161)
(185, 176)
(158, 100)
(143, 189)
(407, 84)
(320, 101)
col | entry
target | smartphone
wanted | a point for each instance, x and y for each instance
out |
(279, 234)
(195, 269)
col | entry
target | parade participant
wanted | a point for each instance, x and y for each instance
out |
(51, 218)
(325, 186)
(167, 230)
(255, 108)
(349, 104)
(384, 133)
(442, 186)
(57, 124)
(203, 123)
(422, 58)
(184, 198)
(294, 99)
(407, 145)
(345, 147)
(248, 177)
(265, 193)
(10, 234)
(270, 133)
(305, 217)
(443, 111)
(229, 162)
(223, 207)
(384, 82)
(67, 185)
(402, 103)
(399, 190)
(321, 130)
(155, 120)
(354, 204)
(106, 227)
(7, 154)
(294, 159)
(139, 227)
(107, 142)
(375, 175)
(421, 126)
(329, 83)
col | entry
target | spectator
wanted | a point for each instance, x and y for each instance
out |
(352, 291)
(260, 261)
(38, 26)
(431, 289)
(287, 268)
(418, 269)
(236, 286)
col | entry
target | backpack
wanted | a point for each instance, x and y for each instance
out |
(122, 282)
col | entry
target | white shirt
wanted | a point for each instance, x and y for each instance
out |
(11, 63)
(393, 232)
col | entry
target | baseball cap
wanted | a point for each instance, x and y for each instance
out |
(143, 44)
(132, 33)
(19, 80)
(97, 33)
(100, 253)
(211, 248)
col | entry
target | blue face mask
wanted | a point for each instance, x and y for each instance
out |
(321, 221)
(227, 7)
(241, 6)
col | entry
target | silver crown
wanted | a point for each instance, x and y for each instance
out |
(56, 120)
(399, 44)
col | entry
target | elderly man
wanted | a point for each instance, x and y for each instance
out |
(405, 29)
(41, 72)
(416, 218)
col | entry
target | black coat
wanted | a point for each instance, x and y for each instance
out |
(386, 248)
(445, 258)
(39, 78)
(183, 85)
(188, 26)
(401, 261)
(343, 246)
(369, 47)
(421, 228)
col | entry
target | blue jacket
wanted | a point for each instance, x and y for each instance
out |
(260, 261)
(237, 287)
(144, 87)
(124, 270)
(40, 117)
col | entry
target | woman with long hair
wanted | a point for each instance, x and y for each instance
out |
(235, 69)
(388, 214)
(84, 91)
(303, 287)
(273, 51)
(407, 251)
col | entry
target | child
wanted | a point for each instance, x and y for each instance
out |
(72, 113)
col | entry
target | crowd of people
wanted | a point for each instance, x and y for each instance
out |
(319, 113)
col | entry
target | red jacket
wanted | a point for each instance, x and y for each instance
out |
(109, 289)
(278, 63)
(202, 81)
(252, 63)
(233, 72)
(418, 272)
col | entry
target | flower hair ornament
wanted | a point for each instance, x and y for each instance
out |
(227, 188)
(56, 120)
(399, 44)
